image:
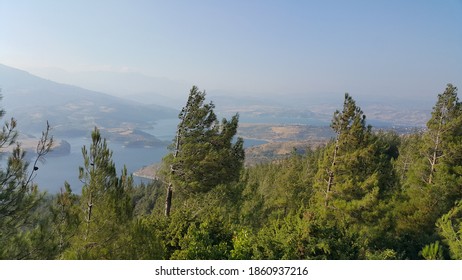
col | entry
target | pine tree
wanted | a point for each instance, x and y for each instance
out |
(204, 151)
(450, 229)
(433, 181)
(106, 208)
(346, 162)
(353, 181)
(18, 194)
(442, 127)
(350, 129)
(65, 218)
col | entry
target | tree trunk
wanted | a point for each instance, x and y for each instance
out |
(168, 200)
(330, 181)
(88, 220)
(435, 156)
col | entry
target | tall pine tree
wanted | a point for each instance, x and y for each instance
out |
(353, 179)
(433, 180)
(105, 204)
(204, 151)
(18, 194)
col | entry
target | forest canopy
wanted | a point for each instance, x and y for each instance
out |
(366, 194)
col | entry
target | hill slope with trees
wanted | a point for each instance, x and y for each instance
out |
(366, 194)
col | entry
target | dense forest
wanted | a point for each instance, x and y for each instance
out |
(367, 194)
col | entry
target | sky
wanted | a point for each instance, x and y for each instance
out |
(378, 48)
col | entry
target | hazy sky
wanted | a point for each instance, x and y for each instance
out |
(364, 47)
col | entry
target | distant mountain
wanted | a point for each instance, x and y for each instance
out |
(130, 85)
(70, 110)
(32, 100)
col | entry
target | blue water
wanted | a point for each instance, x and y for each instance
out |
(57, 169)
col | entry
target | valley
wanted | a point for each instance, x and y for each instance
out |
(139, 131)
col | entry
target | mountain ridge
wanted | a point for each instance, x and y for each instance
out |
(34, 100)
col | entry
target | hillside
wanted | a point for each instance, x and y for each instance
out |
(72, 111)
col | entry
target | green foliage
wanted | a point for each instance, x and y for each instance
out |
(147, 197)
(278, 188)
(296, 236)
(243, 242)
(408, 155)
(450, 229)
(205, 155)
(186, 234)
(386, 254)
(143, 241)
(65, 217)
(106, 207)
(207, 240)
(432, 251)
(355, 178)
(19, 196)
(365, 195)
(432, 181)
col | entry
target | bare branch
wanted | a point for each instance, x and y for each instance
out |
(43, 148)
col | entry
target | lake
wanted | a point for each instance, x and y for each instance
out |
(56, 169)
